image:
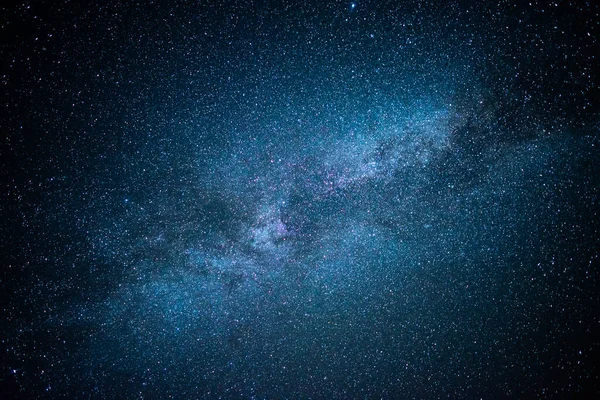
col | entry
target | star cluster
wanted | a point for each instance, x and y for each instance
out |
(299, 200)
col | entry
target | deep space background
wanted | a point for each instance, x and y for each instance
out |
(299, 199)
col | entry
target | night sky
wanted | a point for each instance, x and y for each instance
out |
(299, 199)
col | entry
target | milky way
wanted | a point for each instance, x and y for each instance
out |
(300, 200)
